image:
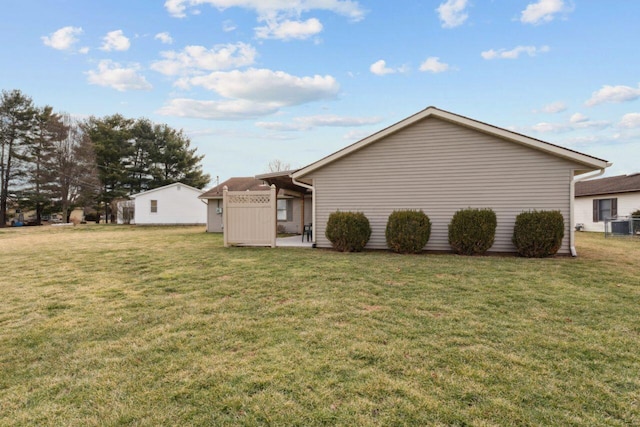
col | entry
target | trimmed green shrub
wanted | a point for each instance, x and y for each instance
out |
(538, 234)
(407, 231)
(348, 231)
(472, 231)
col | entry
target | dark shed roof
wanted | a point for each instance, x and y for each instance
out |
(240, 183)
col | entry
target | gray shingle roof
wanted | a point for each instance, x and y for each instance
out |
(241, 183)
(611, 185)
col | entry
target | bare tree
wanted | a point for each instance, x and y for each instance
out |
(73, 171)
(278, 165)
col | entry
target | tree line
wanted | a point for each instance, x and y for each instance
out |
(53, 162)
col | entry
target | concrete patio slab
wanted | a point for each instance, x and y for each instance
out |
(293, 241)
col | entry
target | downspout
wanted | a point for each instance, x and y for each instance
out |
(313, 207)
(206, 202)
(572, 193)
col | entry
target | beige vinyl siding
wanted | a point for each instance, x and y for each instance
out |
(214, 219)
(441, 167)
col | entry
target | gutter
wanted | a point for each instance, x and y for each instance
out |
(572, 191)
(313, 206)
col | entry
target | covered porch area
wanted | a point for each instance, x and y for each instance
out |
(294, 206)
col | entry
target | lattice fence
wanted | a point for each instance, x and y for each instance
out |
(249, 217)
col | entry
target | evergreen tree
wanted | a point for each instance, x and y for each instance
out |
(46, 129)
(16, 120)
(143, 137)
(174, 161)
(111, 137)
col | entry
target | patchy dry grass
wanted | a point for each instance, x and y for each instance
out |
(106, 325)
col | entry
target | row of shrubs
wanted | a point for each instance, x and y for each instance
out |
(471, 231)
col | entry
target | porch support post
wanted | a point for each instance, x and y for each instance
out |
(225, 213)
(274, 212)
(302, 213)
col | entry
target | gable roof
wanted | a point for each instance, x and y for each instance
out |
(611, 185)
(591, 163)
(239, 183)
(175, 184)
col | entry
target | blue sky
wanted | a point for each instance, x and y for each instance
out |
(251, 81)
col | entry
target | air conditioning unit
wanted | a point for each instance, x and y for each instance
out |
(219, 211)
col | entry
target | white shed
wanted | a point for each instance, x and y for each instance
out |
(172, 204)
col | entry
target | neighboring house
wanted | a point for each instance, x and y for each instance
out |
(292, 199)
(441, 162)
(597, 199)
(172, 204)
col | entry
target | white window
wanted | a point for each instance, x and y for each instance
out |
(285, 209)
(604, 209)
(154, 206)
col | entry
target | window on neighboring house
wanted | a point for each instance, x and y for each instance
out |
(154, 206)
(285, 209)
(604, 208)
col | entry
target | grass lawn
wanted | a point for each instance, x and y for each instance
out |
(115, 325)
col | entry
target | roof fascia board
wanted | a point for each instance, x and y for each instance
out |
(286, 173)
(167, 186)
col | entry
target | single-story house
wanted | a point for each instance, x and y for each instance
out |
(291, 200)
(172, 204)
(597, 199)
(441, 162)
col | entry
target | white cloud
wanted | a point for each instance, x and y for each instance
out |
(613, 94)
(553, 108)
(281, 17)
(228, 26)
(217, 110)
(267, 86)
(544, 127)
(542, 11)
(451, 13)
(84, 50)
(310, 122)
(62, 39)
(578, 118)
(198, 58)
(380, 68)
(164, 37)
(115, 40)
(287, 30)
(577, 121)
(272, 8)
(514, 53)
(250, 94)
(433, 65)
(630, 120)
(112, 74)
